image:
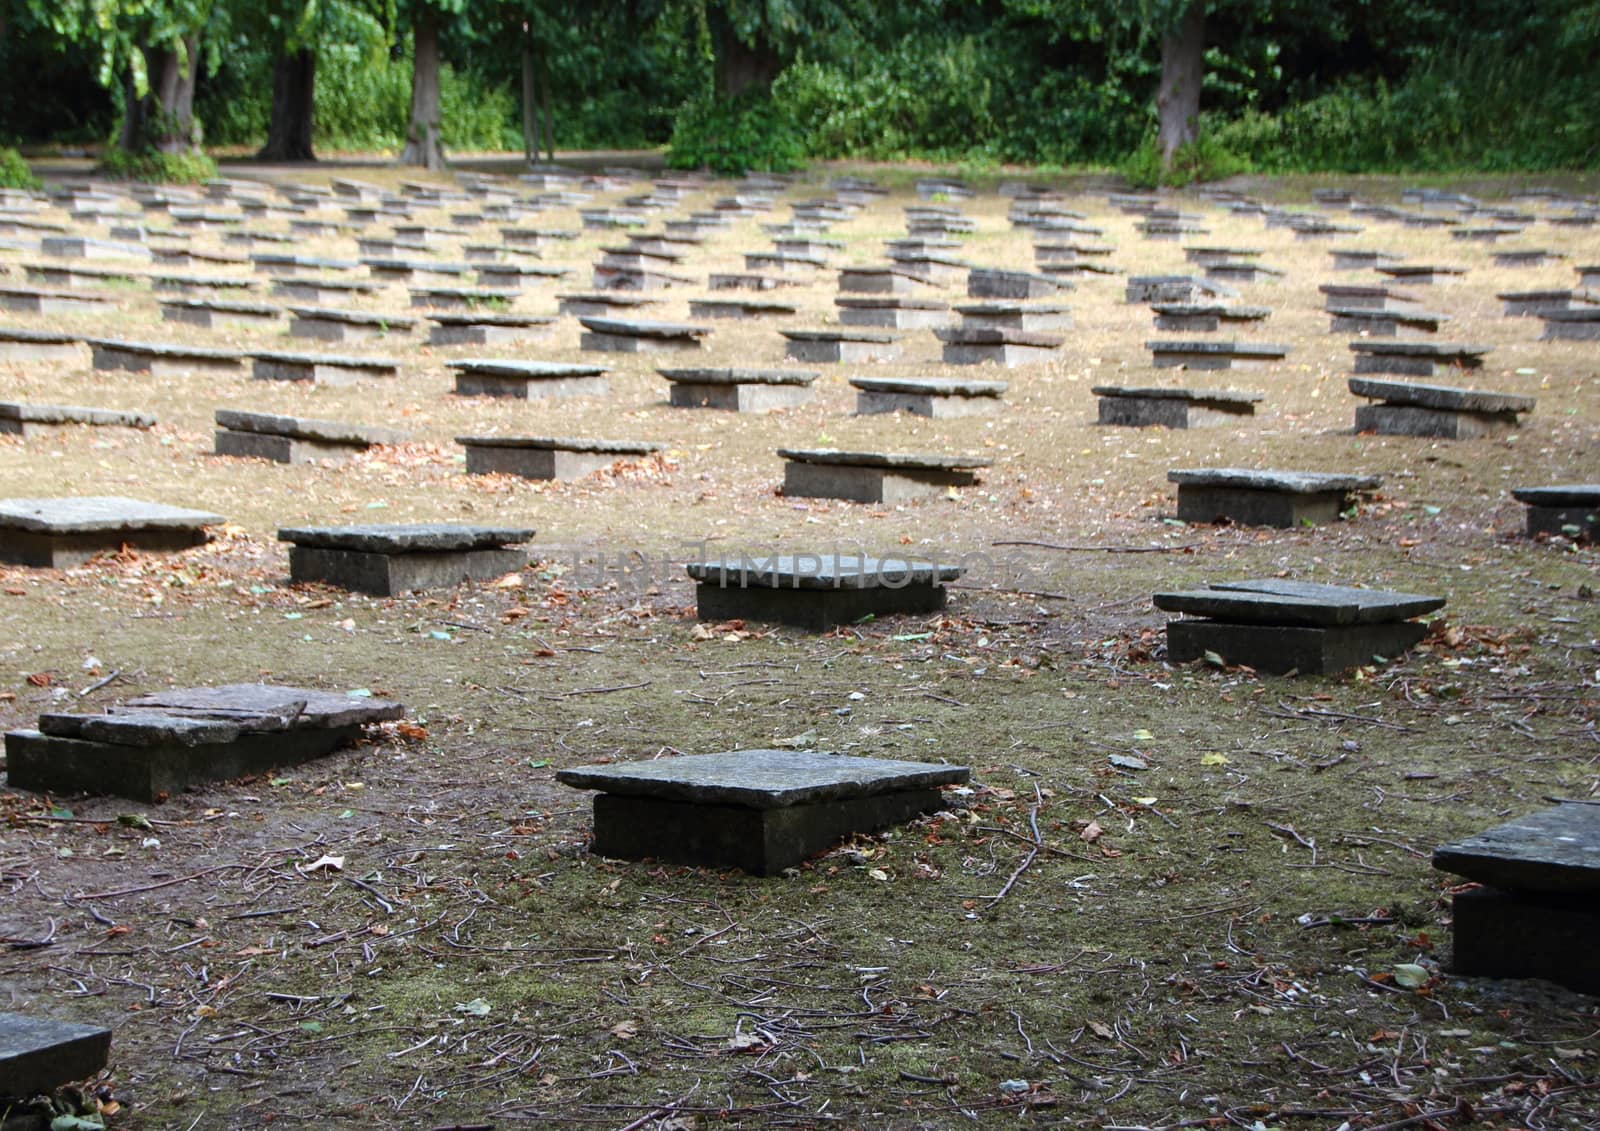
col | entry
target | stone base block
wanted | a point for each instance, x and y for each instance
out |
(524, 388)
(536, 463)
(817, 610)
(1562, 520)
(1571, 332)
(1503, 934)
(1405, 366)
(868, 484)
(1203, 322)
(320, 331)
(66, 353)
(281, 449)
(626, 343)
(926, 404)
(109, 357)
(762, 842)
(1249, 507)
(740, 398)
(62, 551)
(1144, 412)
(1414, 420)
(483, 335)
(38, 1055)
(317, 372)
(1009, 355)
(1175, 359)
(1279, 649)
(1375, 324)
(892, 318)
(46, 764)
(212, 319)
(843, 351)
(389, 575)
(56, 304)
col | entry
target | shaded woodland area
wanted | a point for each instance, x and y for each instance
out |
(1168, 89)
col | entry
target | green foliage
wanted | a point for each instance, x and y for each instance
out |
(733, 136)
(161, 168)
(1206, 159)
(14, 171)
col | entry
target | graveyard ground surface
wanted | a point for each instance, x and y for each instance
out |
(1173, 897)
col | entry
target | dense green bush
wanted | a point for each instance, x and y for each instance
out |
(1205, 159)
(14, 171)
(162, 168)
(733, 136)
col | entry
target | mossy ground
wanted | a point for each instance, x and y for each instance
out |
(1209, 940)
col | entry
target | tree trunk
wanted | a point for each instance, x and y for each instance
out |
(423, 146)
(1183, 52)
(294, 93)
(549, 119)
(530, 105)
(740, 67)
(163, 120)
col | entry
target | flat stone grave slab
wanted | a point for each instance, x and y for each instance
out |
(1419, 274)
(855, 344)
(418, 272)
(161, 360)
(1167, 354)
(28, 420)
(373, 247)
(784, 262)
(1416, 359)
(748, 281)
(603, 304)
(39, 1055)
(202, 285)
(983, 282)
(1144, 406)
(1029, 317)
(1529, 257)
(338, 324)
(548, 457)
(273, 263)
(41, 300)
(529, 380)
(295, 439)
(882, 280)
(613, 277)
(616, 335)
(212, 313)
(1265, 498)
(1242, 272)
(65, 275)
(1362, 259)
(196, 257)
(874, 477)
(1206, 256)
(321, 369)
(1520, 303)
(1569, 509)
(1580, 325)
(1383, 323)
(320, 290)
(998, 345)
(390, 559)
(817, 591)
(462, 298)
(1173, 288)
(56, 533)
(154, 746)
(1537, 915)
(740, 390)
(761, 811)
(739, 308)
(892, 312)
(1488, 234)
(82, 247)
(938, 398)
(18, 343)
(1280, 626)
(1204, 316)
(517, 276)
(478, 329)
(1407, 408)
(1348, 296)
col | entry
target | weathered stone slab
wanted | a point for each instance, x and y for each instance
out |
(758, 810)
(318, 290)
(1362, 259)
(933, 397)
(1277, 601)
(39, 1055)
(548, 457)
(1571, 510)
(19, 344)
(1420, 359)
(882, 280)
(163, 360)
(990, 283)
(1265, 498)
(739, 308)
(1530, 257)
(817, 591)
(1167, 354)
(322, 369)
(1581, 325)
(211, 313)
(1519, 303)
(623, 336)
(874, 477)
(740, 390)
(1353, 296)
(1207, 256)
(82, 247)
(1000, 345)
(82, 275)
(529, 379)
(1447, 398)
(1140, 407)
(31, 419)
(294, 439)
(1554, 851)
(140, 728)
(418, 272)
(56, 533)
(892, 312)
(337, 324)
(1204, 316)
(853, 345)
(1419, 274)
(487, 329)
(1173, 288)
(1028, 317)
(268, 707)
(1383, 323)
(38, 300)
(390, 559)
(1242, 272)
(278, 264)
(462, 298)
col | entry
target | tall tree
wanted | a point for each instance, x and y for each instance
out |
(292, 25)
(424, 143)
(1183, 57)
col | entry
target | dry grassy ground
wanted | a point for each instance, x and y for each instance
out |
(1208, 941)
